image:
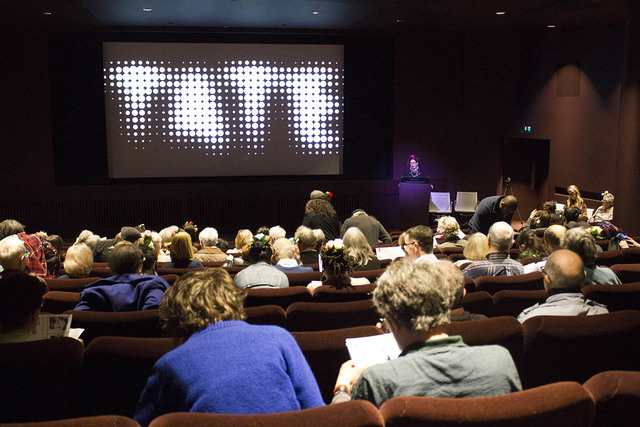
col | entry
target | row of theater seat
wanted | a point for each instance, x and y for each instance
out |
(607, 399)
(546, 348)
(56, 378)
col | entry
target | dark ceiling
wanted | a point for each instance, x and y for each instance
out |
(323, 15)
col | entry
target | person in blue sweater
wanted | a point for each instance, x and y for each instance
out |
(225, 365)
(127, 289)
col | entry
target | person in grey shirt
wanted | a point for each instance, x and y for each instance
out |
(580, 241)
(370, 227)
(260, 274)
(415, 300)
(563, 277)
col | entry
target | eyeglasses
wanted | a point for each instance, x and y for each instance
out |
(404, 247)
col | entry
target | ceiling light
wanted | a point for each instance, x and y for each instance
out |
(399, 21)
(47, 13)
(551, 26)
(147, 9)
(501, 13)
(315, 12)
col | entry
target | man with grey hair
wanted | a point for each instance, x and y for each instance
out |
(498, 262)
(455, 281)
(13, 255)
(552, 236)
(415, 302)
(563, 278)
(284, 256)
(371, 228)
(209, 252)
(276, 232)
(580, 241)
(307, 243)
(36, 260)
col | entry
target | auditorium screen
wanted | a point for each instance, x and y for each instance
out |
(223, 109)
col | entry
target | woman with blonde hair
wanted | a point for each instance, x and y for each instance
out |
(182, 252)
(225, 365)
(357, 247)
(476, 250)
(243, 238)
(575, 200)
(450, 229)
(78, 262)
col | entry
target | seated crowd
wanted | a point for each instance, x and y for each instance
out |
(265, 370)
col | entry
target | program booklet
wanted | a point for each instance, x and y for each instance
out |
(367, 351)
(56, 325)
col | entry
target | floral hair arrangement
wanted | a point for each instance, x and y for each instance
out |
(605, 193)
(294, 240)
(336, 264)
(147, 242)
(259, 240)
(596, 232)
(141, 228)
(190, 224)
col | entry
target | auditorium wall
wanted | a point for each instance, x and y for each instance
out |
(457, 95)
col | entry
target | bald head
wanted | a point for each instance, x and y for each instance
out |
(508, 205)
(500, 236)
(564, 270)
(552, 236)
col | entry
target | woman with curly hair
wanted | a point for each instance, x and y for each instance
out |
(530, 245)
(225, 365)
(319, 213)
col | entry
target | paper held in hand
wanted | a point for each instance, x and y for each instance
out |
(56, 325)
(367, 351)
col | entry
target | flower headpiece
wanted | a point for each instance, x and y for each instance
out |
(334, 247)
(141, 228)
(605, 193)
(147, 241)
(190, 224)
(595, 232)
(259, 240)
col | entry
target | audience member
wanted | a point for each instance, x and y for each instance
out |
(20, 302)
(276, 232)
(260, 273)
(530, 245)
(575, 200)
(563, 278)
(104, 247)
(449, 228)
(455, 281)
(149, 260)
(167, 233)
(552, 236)
(88, 238)
(51, 255)
(192, 230)
(243, 237)
(127, 289)
(498, 262)
(13, 256)
(319, 213)
(307, 242)
(78, 262)
(418, 244)
(604, 212)
(36, 260)
(580, 241)
(491, 210)
(226, 365)
(223, 245)
(415, 302)
(373, 231)
(284, 256)
(209, 252)
(357, 247)
(182, 252)
(476, 249)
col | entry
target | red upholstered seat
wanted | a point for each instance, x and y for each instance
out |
(177, 271)
(115, 372)
(627, 273)
(266, 315)
(303, 279)
(631, 255)
(511, 303)
(326, 351)
(477, 303)
(282, 297)
(357, 413)
(56, 302)
(142, 324)
(617, 398)
(609, 258)
(99, 421)
(616, 297)
(318, 316)
(564, 404)
(522, 282)
(574, 348)
(351, 293)
(38, 379)
(71, 285)
(372, 275)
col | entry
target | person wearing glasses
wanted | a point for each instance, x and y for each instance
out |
(418, 244)
(13, 256)
(563, 278)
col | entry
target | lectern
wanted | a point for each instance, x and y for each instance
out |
(414, 203)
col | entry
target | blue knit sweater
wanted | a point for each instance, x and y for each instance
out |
(231, 367)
